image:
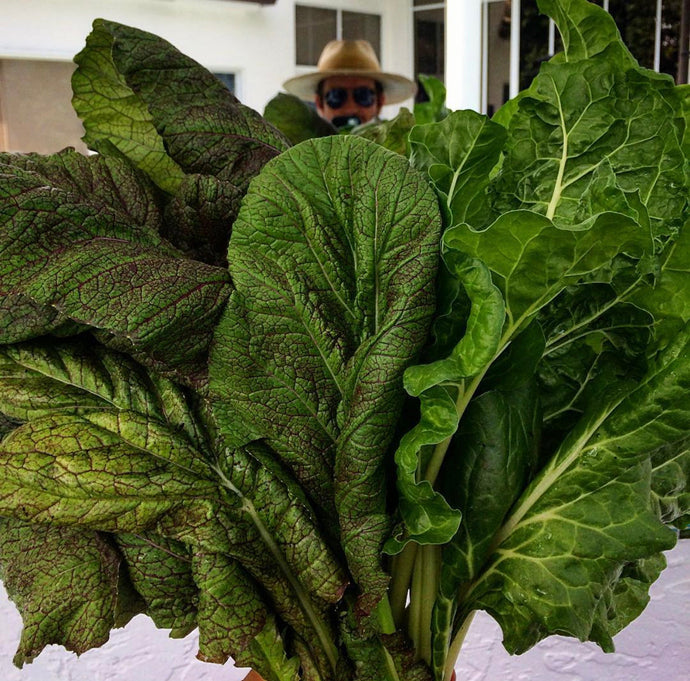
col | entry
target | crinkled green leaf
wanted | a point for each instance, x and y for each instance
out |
(333, 256)
(490, 460)
(165, 112)
(671, 483)
(532, 260)
(459, 154)
(591, 137)
(587, 514)
(669, 297)
(593, 336)
(480, 339)
(627, 596)
(160, 570)
(434, 109)
(427, 516)
(64, 582)
(73, 254)
(585, 30)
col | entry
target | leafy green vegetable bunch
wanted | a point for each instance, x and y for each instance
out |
(323, 402)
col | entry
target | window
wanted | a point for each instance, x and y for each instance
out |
(228, 79)
(315, 26)
(429, 48)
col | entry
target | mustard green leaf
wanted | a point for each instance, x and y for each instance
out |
(114, 116)
(129, 424)
(160, 570)
(231, 612)
(46, 377)
(164, 111)
(268, 654)
(333, 257)
(296, 119)
(78, 258)
(199, 218)
(64, 582)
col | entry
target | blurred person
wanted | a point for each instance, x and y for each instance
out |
(348, 86)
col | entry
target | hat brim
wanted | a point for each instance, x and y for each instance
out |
(396, 88)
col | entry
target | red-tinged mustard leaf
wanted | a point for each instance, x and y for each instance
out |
(231, 611)
(199, 218)
(64, 582)
(160, 570)
(74, 256)
(165, 112)
(333, 256)
(111, 446)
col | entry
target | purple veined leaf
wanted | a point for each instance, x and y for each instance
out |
(165, 112)
(81, 250)
(333, 257)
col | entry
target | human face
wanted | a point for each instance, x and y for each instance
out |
(350, 108)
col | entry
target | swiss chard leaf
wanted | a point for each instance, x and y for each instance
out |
(593, 500)
(596, 136)
(333, 258)
(459, 154)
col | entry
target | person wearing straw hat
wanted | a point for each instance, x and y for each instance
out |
(348, 86)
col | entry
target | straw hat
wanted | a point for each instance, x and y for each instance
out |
(351, 58)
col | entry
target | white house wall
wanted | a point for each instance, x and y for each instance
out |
(257, 43)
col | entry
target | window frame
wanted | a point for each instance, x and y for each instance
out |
(338, 9)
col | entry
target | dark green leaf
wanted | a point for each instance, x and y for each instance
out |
(587, 514)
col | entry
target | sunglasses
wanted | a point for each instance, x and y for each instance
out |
(363, 96)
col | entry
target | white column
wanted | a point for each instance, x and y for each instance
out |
(515, 7)
(463, 54)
